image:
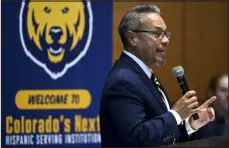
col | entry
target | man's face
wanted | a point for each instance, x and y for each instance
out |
(152, 47)
(222, 93)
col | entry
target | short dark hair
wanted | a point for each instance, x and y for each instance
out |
(132, 20)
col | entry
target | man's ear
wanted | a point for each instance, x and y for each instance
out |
(132, 39)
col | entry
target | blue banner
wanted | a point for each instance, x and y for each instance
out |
(55, 58)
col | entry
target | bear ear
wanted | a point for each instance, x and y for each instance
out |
(30, 26)
(80, 24)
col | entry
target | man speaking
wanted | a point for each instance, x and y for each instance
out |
(135, 109)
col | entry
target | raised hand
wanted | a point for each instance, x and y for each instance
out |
(206, 114)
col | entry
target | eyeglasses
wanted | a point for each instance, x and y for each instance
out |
(158, 33)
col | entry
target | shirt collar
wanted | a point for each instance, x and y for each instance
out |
(148, 71)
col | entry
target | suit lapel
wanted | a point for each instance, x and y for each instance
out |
(144, 78)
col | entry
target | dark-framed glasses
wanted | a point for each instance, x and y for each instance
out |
(159, 34)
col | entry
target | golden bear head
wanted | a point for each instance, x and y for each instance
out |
(56, 22)
(56, 34)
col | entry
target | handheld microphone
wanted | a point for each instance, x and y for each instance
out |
(178, 72)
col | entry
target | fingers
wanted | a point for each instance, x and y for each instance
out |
(190, 94)
(192, 99)
(196, 110)
(208, 102)
(211, 113)
(194, 105)
(206, 114)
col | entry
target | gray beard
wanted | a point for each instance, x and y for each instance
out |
(159, 63)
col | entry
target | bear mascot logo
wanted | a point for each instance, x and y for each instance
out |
(56, 35)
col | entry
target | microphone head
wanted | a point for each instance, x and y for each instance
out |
(178, 71)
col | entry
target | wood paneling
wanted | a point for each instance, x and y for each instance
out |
(206, 48)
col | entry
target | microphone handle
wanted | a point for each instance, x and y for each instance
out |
(183, 84)
(184, 88)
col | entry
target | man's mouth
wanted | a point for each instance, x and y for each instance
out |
(160, 50)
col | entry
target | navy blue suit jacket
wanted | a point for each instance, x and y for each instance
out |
(132, 112)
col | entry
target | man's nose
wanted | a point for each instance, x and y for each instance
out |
(165, 41)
